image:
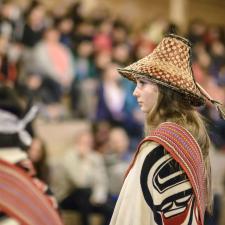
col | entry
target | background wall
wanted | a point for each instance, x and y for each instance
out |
(211, 11)
(139, 12)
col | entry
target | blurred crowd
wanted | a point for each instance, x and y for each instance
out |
(67, 65)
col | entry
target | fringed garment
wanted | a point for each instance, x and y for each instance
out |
(165, 183)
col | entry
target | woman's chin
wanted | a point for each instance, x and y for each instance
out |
(143, 110)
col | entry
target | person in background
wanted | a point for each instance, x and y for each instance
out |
(117, 160)
(101, 131)
(53, 59)
(111, 97)
(37, 153)
(35, 25)
(85, 180)
(115, 105)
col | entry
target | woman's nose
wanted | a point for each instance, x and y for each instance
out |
(135, 92)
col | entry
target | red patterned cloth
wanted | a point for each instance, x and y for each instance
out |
(23, 197)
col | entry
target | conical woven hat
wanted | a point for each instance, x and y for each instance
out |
(168, 65)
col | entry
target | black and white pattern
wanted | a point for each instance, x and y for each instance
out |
(10, 124)
(166, 189)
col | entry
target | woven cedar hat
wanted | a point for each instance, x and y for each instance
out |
(170, 65)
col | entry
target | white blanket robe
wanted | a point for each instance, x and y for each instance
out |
(131, 207)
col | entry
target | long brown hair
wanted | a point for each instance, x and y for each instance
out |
(174, 107)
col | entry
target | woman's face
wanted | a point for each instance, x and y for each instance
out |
(146, 93)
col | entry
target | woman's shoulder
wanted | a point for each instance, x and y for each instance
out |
(145, 148)
(147, 145)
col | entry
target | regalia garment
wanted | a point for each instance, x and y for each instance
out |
(25, 200)
(165, 184)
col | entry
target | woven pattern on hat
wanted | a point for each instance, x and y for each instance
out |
(169, 64)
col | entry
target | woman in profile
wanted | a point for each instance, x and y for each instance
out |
(169, 180)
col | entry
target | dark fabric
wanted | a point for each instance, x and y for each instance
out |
(213, 219)
(31, 37)
(79, 200)
(10, 101)
(48, 92)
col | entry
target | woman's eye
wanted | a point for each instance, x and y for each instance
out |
(142, 82)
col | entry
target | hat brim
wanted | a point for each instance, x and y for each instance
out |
(195, 100)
